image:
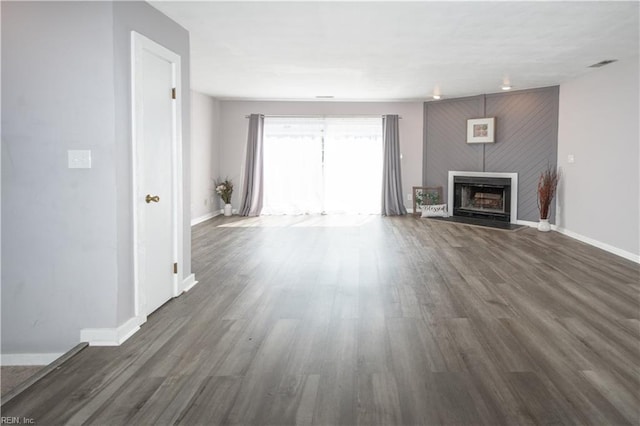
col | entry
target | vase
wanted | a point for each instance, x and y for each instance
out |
(227, 209)
(544, 226)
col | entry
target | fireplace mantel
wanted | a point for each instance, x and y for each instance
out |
(514, 188)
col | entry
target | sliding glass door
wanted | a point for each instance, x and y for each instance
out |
(293, 182)
(353, 165)
(322, 165)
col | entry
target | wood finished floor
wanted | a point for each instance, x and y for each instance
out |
(369, 320)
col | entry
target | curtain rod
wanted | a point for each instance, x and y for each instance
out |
(321, 116)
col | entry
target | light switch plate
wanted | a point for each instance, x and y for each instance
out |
(79, 158)
(571, 159)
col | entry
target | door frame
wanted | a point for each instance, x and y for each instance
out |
(139, 44)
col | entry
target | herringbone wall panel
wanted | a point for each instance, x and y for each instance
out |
(526, 140)
(527, 130)
(446, 135)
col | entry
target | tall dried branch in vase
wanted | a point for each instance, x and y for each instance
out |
(547, 184)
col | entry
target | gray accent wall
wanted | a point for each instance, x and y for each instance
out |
(526, 140)
(67, 234)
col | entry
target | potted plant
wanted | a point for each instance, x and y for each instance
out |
(224, 188)
(547, 184)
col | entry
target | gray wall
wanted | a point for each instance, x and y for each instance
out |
(59, 228)
(526, 140)
(599, 194)
(205, 154)
(67, 233)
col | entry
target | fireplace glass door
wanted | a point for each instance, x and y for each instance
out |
(487, 198)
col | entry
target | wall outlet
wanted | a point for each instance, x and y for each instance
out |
(409, 197)
(571, 159)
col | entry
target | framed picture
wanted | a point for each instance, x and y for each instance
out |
(481, 130)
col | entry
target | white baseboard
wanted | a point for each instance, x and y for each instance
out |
(534, 224)
(29, 359)
(111, 336)
(117, 336)
(205, 217)
(188, 283)
(599, 244)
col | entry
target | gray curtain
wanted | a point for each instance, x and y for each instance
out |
(252, 192)
(392, 200)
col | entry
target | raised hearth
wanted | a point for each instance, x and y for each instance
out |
(484, 195)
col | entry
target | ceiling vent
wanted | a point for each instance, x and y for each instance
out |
(602, 63)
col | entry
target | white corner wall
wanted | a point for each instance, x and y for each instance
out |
(599, 194)
(235, 127)
(67, 252)
(59, 227)
(205, 156)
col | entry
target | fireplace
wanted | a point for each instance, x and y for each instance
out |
(480, 195)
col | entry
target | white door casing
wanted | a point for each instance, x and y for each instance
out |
(157, 171)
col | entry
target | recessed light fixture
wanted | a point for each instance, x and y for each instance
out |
(506, 87)
(325, 97)
(603, 63)
(436, 93)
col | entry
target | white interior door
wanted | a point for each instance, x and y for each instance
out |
(156, 186)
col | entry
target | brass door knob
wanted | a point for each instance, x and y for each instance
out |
(149, 198)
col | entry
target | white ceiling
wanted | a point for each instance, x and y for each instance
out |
(396, 50)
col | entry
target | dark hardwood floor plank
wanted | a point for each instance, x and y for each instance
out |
(494, 403)
(378, 400)
(455, 406)
(295, 401)
(362, 320)
(212, 402)
(372, 345)
(535, 404)
(562, 376)
(606, 349)
(624, 396)
(337, 391)
(412, 364)
(126, 405)
(114, 382)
